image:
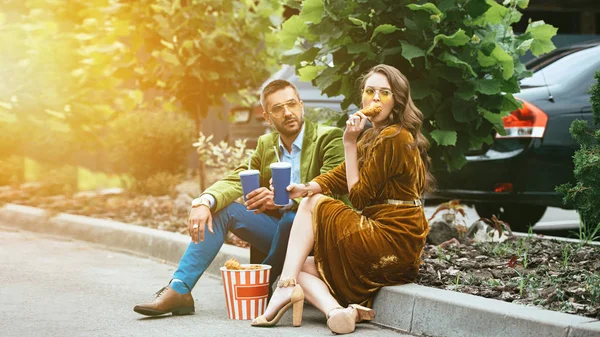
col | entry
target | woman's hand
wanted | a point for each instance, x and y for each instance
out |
(297, 190)
(354, 126)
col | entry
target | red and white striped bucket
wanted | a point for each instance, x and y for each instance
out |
(246, 291)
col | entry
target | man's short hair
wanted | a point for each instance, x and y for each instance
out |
(275, 86)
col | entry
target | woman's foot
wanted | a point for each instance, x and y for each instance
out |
(288, 295)
(342, 320)
(281, 297)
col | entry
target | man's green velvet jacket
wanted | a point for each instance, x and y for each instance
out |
(322, 150)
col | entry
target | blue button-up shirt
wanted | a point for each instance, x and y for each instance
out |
(294, 157)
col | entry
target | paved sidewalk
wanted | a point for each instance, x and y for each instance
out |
(412, 308)
(61, 287)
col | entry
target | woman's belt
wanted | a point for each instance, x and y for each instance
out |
(416, 202)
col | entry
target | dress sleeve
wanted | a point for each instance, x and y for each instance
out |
(386, 160)
(334, 181)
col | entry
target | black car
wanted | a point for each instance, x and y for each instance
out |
(515, 177)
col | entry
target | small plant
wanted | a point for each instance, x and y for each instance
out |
(221, 157)
(585, 194)
(499, 225)
(440, 253)
(566, 251)
(525, 258)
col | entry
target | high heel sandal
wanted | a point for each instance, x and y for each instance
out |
(296, 302)
(364, 313)
(344, 322)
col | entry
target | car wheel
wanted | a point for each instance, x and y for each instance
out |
(518, 216)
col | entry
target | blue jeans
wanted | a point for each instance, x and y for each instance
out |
(259, 230)
(279, 244)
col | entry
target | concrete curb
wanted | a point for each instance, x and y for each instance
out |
(155, 243)
(412, 308)
(435, 312)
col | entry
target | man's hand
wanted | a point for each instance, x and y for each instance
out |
(260, 200)
(200, 217)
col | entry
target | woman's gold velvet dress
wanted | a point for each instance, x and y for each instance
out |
(358, 251)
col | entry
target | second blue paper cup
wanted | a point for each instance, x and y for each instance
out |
(281, 173)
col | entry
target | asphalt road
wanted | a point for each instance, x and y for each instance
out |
(59, 287)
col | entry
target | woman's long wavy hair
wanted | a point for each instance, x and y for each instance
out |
(404, 113)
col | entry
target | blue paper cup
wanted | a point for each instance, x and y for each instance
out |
(281, 173)
(250, 182)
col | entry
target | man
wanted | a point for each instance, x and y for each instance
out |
(311, 149)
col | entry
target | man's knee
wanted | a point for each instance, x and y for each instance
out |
(228, 212)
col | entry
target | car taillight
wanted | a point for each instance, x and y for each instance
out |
(526, 122)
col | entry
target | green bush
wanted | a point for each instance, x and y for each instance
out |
(461, 57)
(145, 144)
(161, 183)
(585, 195)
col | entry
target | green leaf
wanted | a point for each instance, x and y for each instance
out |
(453, 61)
(358, 48)
(510, 103)
(494, 118)
(494, 15)
(464, 111)
(477, 141)
(524, 46)
(466, 91)
(523, 3)
(488, 86)
(384, 29)
(542, 34)
(429, 7)
(358, 22)
(410, 52)
(309, 73)
(312, 11)
(444, 137)
(476, 8)
(291, 29)
(508, 66)
(455, 158)
(457, 39)
(486, 61)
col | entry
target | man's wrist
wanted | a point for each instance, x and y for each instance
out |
(201, 201)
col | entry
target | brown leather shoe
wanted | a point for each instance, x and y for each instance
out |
(167, 301)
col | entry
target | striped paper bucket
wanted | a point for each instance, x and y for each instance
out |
(246, 291)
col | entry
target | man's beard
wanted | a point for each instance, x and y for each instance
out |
(287, 132)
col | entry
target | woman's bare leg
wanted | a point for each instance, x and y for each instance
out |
(301, 243)
(316, 291)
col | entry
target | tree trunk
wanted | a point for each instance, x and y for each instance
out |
(201, 167)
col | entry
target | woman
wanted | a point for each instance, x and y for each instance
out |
(379, 242)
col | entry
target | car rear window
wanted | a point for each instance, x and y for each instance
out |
(563, 67)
